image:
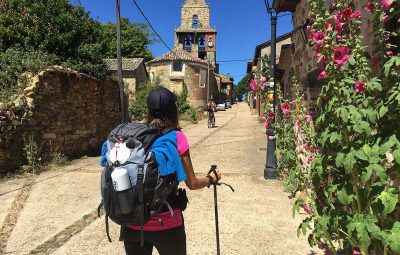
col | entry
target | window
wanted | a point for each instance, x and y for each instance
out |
(195, 22)
(177, 66)
(187, 44)
(153, 76)
(202, 42)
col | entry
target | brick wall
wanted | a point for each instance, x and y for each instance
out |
(64, 111)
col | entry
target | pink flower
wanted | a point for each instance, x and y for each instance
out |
(310, 160)
(307, 209)
(359, 86)
(308, 117)
(356, 251)
(318, 37)
(346, 13)
(266, 124)
(356, 15)
(309, 28)
(271, 115)
(261, 85)
(285, 108)
(322, 75)
(370, 7)
(389, 53)
(341, 55)
(253, 85)
(385, 18)
(297, 122)
(271, 138)
(263, 79)
(328, 26)
(385, 4)
(338, 24)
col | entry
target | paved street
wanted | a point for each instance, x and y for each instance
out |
(54, 213)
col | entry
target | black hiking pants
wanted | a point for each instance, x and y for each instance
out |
(167, 242)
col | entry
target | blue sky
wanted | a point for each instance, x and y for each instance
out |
(241, 25)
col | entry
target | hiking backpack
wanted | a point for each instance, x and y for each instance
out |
(149, 190)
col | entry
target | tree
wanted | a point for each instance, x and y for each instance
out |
(55, 27)
(135, 39)
(241, 86)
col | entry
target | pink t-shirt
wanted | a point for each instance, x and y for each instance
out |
(164, 220)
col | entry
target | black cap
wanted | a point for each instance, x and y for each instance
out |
(159, 100)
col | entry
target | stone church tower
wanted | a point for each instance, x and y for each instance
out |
(195, 35)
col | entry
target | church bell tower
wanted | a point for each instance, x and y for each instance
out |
(195, 35)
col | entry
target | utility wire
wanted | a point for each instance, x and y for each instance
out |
(151, 26)
(236, 60)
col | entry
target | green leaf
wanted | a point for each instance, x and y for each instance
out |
(361, 155)
(366, 175)
(393, 239)
(396, 155)
(349, 162)
(367, 149)
(383, 111)
(388, 145)
(358, 231)
(343, 197)
(388, 199)
(339, 159)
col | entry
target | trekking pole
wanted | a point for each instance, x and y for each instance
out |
(213, 169)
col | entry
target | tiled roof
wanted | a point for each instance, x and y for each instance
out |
(128, 64)
(178, 54)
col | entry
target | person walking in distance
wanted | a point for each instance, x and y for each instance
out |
(166, 230)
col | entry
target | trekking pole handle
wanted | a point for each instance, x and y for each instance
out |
(217, 183)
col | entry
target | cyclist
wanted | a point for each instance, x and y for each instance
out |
(211, 109)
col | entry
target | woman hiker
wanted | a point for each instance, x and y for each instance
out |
(166, 232)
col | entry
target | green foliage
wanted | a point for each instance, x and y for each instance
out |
(59, 159)
(241, 87)
(14, 63)
(32, 152)
(138, 105)
(135, 39)
(355, 177)
(36, 34)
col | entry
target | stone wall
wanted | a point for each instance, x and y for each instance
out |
(63, 111)
(199, 8)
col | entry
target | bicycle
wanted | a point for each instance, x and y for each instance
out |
(211, 119)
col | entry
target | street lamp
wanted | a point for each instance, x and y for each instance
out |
(270, 165)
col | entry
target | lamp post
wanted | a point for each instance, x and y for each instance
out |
(119, 61)
(270, 166)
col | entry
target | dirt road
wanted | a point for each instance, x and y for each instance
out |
(54, 213)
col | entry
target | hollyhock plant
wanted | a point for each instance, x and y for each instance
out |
(356, 251)
(308, 117)
(337, 22)
(266, 124)
(307, 209)
(285, 108)
(356, 15)
(341, 55)
(385, 18)
(271, 115)
(385, 4)
(359, 86)
(319, 38)
(253, 85)
(370, 7)
(346, 13)
(310, 159)
(389, 53)
(323, 75)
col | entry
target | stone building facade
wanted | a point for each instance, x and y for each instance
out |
(195, 35)
(61, 111)
(178, 71)
(134, 73)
